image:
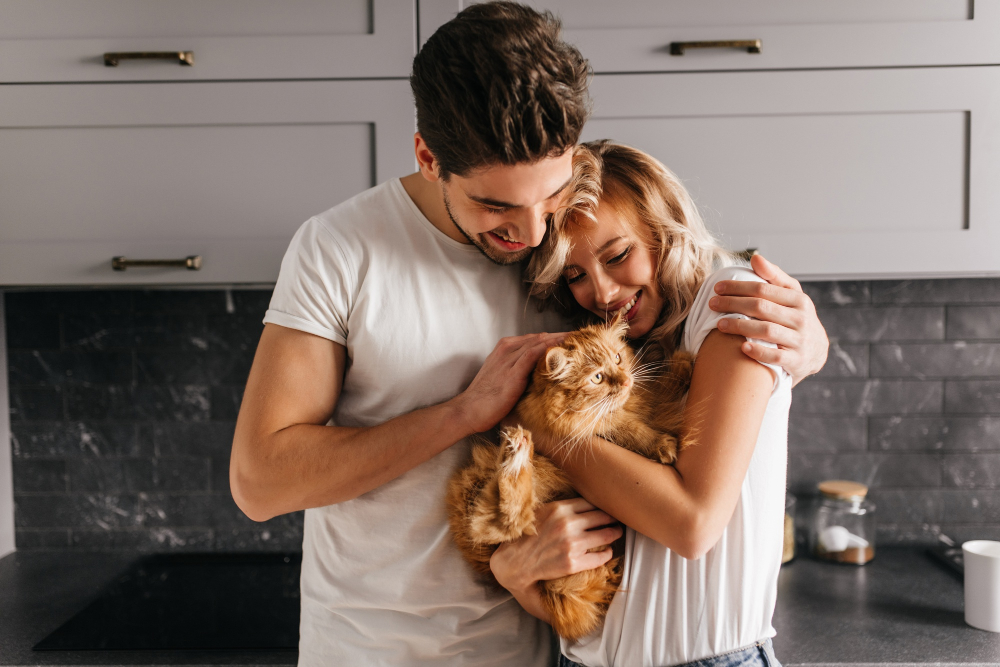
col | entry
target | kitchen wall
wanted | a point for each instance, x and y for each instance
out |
(123, 405)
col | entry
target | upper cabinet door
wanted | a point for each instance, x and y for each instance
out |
(841, 173)
(66, 40)
(637, 35)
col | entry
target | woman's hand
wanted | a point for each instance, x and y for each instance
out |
(567, 530)
(784, 315)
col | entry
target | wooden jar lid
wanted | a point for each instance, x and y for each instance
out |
(842, 489)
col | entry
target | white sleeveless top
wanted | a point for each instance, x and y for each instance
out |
(670, 610)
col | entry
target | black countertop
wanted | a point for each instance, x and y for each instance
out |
(901, 608)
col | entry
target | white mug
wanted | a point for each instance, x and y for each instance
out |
(982, 584)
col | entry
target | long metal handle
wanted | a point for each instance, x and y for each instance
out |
(192, 263)
(751, 45)
(182, 57)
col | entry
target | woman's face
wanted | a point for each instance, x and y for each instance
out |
(610, 268)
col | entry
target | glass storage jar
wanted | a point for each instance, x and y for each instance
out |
(843, 528)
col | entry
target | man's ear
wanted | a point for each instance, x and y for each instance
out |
(429, 166)
(556, 361)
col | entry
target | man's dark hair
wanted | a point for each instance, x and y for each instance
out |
(497, 85)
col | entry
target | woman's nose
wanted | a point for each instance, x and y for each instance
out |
(607, 290)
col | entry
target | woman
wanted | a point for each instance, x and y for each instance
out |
(703, 543)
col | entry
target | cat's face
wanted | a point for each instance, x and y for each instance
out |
(593, 368)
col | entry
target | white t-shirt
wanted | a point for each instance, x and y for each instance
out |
(382, 582)
(670, 610)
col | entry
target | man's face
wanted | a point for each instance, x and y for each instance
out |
(504, 210)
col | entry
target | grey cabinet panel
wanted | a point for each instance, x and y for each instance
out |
(635, 36)
(227, 171)
(833, 173)
(64, 40)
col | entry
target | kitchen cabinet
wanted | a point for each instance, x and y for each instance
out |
(636, 36)
(226, 171)
(861, 142)
(65, 40)
(850, 173)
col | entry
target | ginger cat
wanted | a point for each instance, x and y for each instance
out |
(590, 385)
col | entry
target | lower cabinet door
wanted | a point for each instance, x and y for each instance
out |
(832, 174)
(223, 171)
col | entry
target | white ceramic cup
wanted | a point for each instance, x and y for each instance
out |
(982, 584)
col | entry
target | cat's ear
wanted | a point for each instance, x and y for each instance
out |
(556, 361)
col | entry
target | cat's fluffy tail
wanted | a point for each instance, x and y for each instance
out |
(577, 603)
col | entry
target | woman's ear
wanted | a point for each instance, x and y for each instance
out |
(556, 361)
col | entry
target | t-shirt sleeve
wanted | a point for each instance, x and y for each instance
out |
(316, 285)
(702, 320)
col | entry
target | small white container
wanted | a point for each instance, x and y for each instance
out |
(982, 584)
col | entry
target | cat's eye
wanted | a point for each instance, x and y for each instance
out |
(597, 378)
(618, 358)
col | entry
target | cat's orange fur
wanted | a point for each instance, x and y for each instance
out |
(585, 387)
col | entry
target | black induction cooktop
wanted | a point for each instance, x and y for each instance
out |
(191, 601)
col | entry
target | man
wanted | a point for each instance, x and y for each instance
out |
(383, 319)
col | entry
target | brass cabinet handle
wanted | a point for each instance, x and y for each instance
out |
(192, 263)
(751, 45)
(182, 57)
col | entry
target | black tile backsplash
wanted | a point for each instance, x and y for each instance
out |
(123, 404)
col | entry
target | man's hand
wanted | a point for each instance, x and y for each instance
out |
(783, 314)
(567, 530)
(502, 379)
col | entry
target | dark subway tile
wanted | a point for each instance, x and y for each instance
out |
(70, 301)
(932, 433)
(972, 396)
(251, 301)
(99, 331)
(167, 474)
(838, 293)
(883, 323)
(845, 360)
(891, 534)
(973, 322)
(238, 331)
(92, 475)
(39, 476)
(142, 539)
(177, 366)
(951, 290)
(826, 434)
(806, 469)
(864, 397)
(35, 539)
(35, 402)
(86, 511)
(199, 440)
(169, 330)
(935, 360)
(226, 400)
(183, 403)
(971, 506)
(183, 303)
(964, 532)
(62, 366)
(907, 506)
(31, 329)
(75, 439)
(970, 471)
(220, 475)
(257, 539)
(100, 401)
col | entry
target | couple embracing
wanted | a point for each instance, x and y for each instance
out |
(380, 358)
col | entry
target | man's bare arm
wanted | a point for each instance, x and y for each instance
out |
(285, 459)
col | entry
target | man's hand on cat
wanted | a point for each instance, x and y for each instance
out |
(567, 530)
(783, 314)
(502, 379)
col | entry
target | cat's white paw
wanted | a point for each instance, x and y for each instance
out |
(517, 449)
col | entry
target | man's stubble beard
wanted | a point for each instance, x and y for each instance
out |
(492, 253)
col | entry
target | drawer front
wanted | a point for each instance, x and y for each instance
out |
(864, 173)
(65, 40)
(160, 171)
(636, 36)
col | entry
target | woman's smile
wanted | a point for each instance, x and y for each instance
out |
(611, 269)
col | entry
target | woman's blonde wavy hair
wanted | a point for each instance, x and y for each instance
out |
(653, 200)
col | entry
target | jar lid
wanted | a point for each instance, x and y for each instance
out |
(842, 489)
